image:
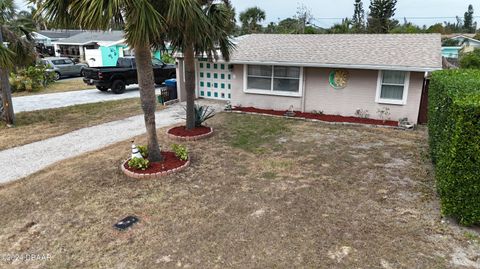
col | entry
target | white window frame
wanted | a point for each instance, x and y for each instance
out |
(271, 91)
(380, 100)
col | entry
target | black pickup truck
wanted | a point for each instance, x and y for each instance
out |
(125, 73)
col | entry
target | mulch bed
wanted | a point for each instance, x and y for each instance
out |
(183, 132)
(170, 162)
(322, 117)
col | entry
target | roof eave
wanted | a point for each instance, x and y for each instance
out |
(350, 66)
(59, 42)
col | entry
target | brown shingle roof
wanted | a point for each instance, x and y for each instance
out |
(415, 52)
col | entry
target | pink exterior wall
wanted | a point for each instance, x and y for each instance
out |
(319, 95)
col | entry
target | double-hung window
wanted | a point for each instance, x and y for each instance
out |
(393, 87)
(277, 80)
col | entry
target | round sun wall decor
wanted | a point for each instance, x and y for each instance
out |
(338, 79)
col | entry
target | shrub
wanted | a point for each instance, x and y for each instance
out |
(31, 79)
(180, 151)
(202, 113)
(143, 150)
(138, 163)
(167, 58)
(454, 137)
(470, 59)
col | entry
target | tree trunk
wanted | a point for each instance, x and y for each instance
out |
(190, 86)
(6, 93)
(143, 59)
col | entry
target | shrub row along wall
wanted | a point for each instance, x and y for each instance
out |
(454, 136)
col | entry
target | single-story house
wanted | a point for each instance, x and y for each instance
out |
(44, 38)
(335, 74)
(96, 48)
(106, 43)
(465, 42)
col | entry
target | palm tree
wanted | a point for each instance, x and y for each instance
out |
(143, 26)
(251, 19)
(199, 27)
(18, 53)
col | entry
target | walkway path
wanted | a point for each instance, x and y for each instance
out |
(24, 160)
(63, 99)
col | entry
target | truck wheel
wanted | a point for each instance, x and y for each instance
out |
(118, 87)
(103, 89)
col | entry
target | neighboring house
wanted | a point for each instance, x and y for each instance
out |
(43, 39)
(107, 47)
(336, 74)
(466, 42)
(451, 52)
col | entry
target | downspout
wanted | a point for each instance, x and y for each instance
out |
(303, 89)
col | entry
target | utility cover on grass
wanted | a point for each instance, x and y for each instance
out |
(126, 223)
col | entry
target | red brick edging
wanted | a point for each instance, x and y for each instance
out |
(155, 175)
(190, 138)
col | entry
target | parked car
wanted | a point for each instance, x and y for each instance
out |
(125, 73)
(63, 67)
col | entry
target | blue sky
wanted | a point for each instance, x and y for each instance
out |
(276, 9)
(280, 9)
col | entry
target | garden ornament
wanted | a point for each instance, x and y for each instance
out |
(135, 152)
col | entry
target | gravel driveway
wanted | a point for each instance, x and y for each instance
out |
(24, 160)
(63, 99)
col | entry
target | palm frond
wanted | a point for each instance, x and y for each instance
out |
(58, 12)
(204, 24)
(97, 15)
(7, 57)
(7, 10)
(144, 24)
(22, 48)
(24, 51)
(186, 23)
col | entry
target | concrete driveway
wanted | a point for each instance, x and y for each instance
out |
(63, 99)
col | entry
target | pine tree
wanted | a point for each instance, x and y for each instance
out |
(468, 23)
(381, 16)
(358, 21)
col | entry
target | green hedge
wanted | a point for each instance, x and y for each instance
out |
(454, 136)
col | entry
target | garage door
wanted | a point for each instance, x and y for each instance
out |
(214, 80)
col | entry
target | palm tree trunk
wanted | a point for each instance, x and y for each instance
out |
(189, 55)
(6, 93)
(143, 59)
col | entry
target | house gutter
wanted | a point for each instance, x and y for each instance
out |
(348, 66)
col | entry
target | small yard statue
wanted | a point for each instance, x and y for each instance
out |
(135, 152)
(290, 112)
(405, 124)
(228, 106)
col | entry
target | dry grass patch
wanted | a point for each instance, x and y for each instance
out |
(65, 85)
(42, 124)
(335, 197)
